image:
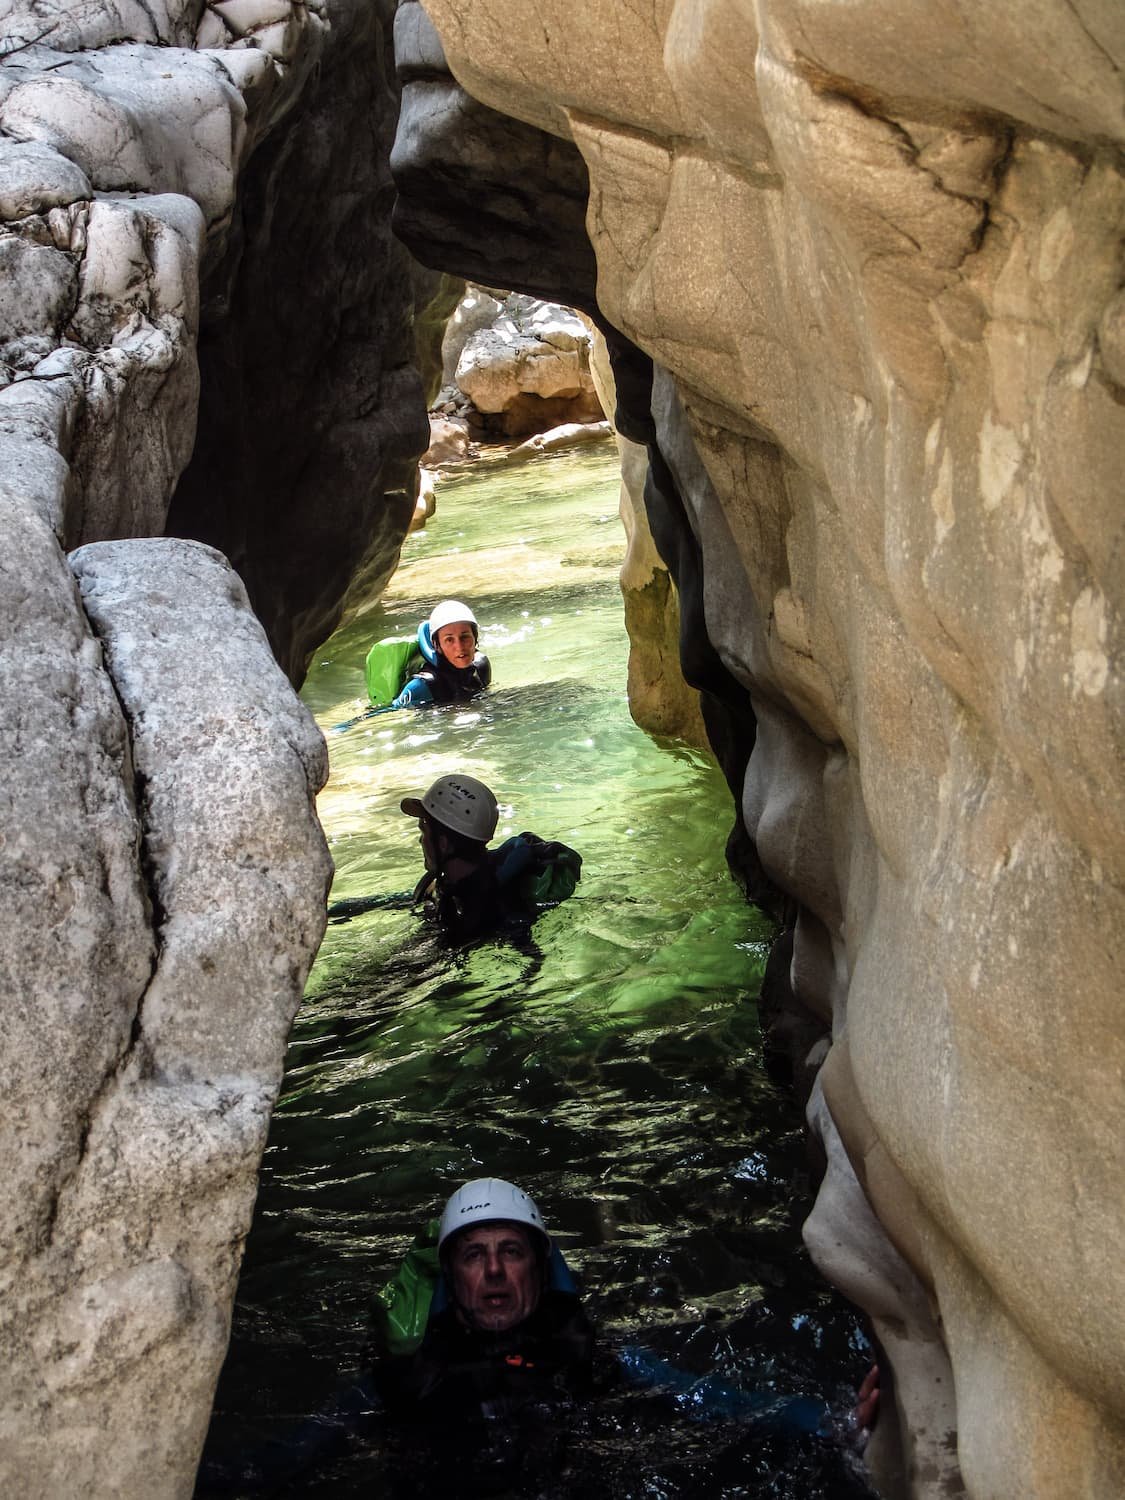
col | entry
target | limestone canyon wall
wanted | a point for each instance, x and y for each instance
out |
(167, 169)
(875, 252)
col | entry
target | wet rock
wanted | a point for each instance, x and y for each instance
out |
(449, 442)
(881, 268)
(569, 435)
(426, 504)
(660, 700)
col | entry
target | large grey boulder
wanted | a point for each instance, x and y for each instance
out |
(878, 250)
(164, 879)
(530, 368)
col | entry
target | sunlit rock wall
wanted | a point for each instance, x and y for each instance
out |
(878, 248)
(660, 700)
(502, 203)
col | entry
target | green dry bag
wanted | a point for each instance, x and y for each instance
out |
(559, 871)
(386, 668)
(536, 870)
(402, 1307)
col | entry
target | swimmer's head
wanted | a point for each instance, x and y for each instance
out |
(459, 803)
(454, 632)
(494, 1249)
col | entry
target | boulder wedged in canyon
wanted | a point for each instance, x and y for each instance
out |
(164, 895)
(880, 259)
(529, 369)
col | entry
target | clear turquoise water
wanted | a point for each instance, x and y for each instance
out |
(611, 1067)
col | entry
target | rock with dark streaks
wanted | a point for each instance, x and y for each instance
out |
(876, 252)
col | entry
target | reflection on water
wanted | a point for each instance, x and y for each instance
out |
(610, 1065)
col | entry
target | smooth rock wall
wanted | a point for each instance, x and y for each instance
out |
(660, 700)
(312, 410)
(164, 881)
(879, 251)
(502, 204)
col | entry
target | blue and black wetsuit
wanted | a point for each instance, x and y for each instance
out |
(439, 681)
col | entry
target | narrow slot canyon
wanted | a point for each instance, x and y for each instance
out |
(824, 1060)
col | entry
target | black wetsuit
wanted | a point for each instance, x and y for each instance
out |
(490, 893)
(475, 1414)
(459, 1374)
(447, 683)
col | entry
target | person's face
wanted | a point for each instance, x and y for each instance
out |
(495, 1276)
(428, 838)
(457, 643)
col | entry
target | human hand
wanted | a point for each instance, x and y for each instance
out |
(866, 1408)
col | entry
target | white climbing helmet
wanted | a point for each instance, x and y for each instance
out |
(451, 612)
(460, 803)
(488, 1200)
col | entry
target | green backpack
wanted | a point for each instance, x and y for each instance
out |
(539, 871)
(402, 1307)
(387, 668)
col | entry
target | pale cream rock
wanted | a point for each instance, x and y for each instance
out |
(542, 351)
(660, 700)
(878, 248)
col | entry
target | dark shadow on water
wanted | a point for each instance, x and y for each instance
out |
(620, 1442)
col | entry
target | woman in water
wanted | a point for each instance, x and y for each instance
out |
(452, 670)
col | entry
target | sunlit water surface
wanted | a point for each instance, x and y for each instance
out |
(612, 1067)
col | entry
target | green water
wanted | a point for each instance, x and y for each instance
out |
(611, 1066)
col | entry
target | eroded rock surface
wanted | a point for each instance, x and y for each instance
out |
(164, 879)
(878, 252)
(529, 368)
(162, 875)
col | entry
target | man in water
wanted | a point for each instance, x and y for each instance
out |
(491, 1355)
(475, 889)
(505, 1326)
